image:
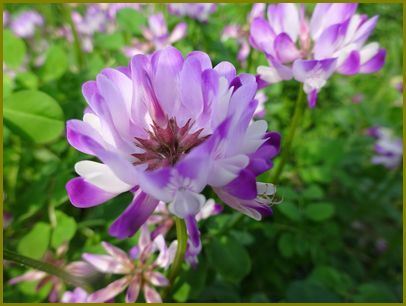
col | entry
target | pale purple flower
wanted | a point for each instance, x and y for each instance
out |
(388, 149)
(93, 21)
(76, 268)
(156, 35)
(78, 295)
(25, 23)
(236, 32)
(311, 51)
(241, 33)
(165, 127)
(198, 11)
(164, 221)
(138, 271)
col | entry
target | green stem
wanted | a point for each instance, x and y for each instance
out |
(180, 254)
(76, 40)
(47, 268)
(291, 134)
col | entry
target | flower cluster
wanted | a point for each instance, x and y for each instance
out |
(97, 18)
(156, 35)
(23, 24)
(198, 11)
(310, 51)
(138, 269)
(76, 268)
(241, 33)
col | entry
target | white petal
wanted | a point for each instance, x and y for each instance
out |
(101, 176)
(186, 203)
(151, 295)
(227, 169)
(368, 52)
(352, 28)
(220, 105)
(253, 138)
(269, 74)
(106, 263)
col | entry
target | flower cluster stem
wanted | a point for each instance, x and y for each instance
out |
(297, 114)
(181, 235)
(47, 268)
(76, 40)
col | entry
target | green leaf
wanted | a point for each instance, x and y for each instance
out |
(319, 211)
(374, 293)
(28, 79)
(114, 41)
(55, 65)
(332, 279)
(131, 20)
(227, 256)
(313, 192)
(244, 237)
(35, 243)
(33, 115)
(305, 291)
(8, 85)
(290, 210)
(14, 50)
(64, 230)
(286, 244)
(95, 64)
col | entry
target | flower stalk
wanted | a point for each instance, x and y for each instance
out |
(47, 268)
(297, 115)
(76, 40)
(181, 235)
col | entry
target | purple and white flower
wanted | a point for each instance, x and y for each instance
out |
(25, 23)
(165, 127)
(388, 149)
(311, 51)
(164, 220)
(198, 11)
(76, 268)
(138, 270)
(156, 35)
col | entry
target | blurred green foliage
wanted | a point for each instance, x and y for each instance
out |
(323, 242)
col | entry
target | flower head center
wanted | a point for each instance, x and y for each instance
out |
(167, 145)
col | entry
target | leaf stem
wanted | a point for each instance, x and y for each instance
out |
(47, 268)
(180, 254)
(297, 114)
